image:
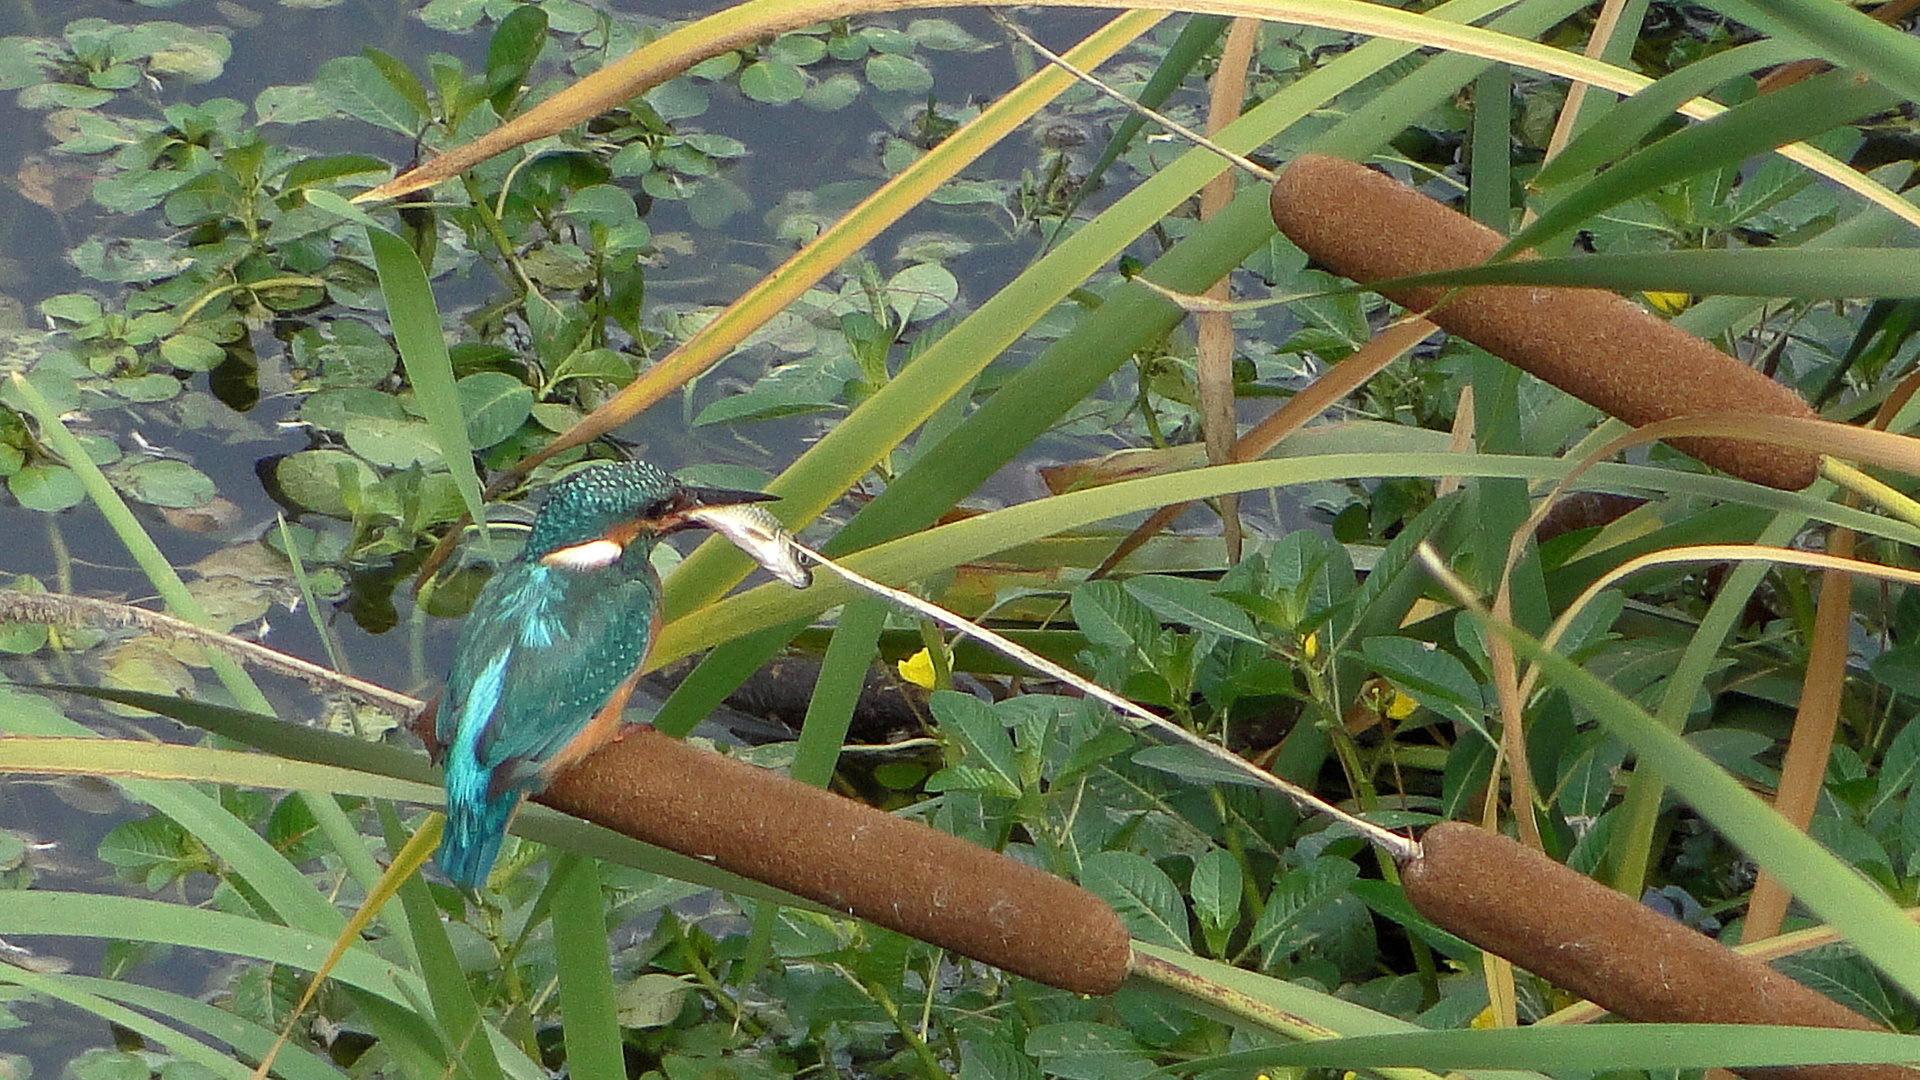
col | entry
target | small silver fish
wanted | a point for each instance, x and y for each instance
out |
(761, 535)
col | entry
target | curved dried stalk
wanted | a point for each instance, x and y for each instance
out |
(60, 608)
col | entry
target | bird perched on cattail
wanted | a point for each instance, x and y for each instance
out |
(553, 647)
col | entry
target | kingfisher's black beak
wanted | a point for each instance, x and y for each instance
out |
(687, 498)
(707, 496)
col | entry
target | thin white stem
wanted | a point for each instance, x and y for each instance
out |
(1400, 847)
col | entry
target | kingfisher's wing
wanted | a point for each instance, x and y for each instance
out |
(541, 652)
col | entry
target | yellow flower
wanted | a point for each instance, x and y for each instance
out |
(1400, 706)
(1310, 646)
(917, 669)
(1669, 303)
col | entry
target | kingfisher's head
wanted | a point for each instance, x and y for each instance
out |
(593, 513)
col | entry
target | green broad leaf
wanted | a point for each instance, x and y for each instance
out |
(991, 1059)
(653, 999)
(391, 444)
(495, 405)
(1143, 895)
(716, 200)
(323, 480)
(797, 49)
(301, 104)
(333, 168)
(772, 82)
(400, 79)
(1108, 614)
(679, 99)
(148, 388)
(944, 35)
(1589, 775)
(76, 309)
(355, 86)
(1087, 753)
(1190, 602)
(46, 488)
(788, 390)
(1215, 889)
(833, 93)
(885, 39)
(153, 852)
(100, 1063)
(989, 765)
(173, 484)
(63, 96)
(595, 364)
(1195, 766)
(570, 17)
(602, 204)
(1304, 892)
(515, 45)
(1433, 677)
(1083, 1050)
(133, 260)
(190, 352)
(26, 61)
(321, 199)
(716, 146)
(453, 16)
(922, 291)
(329, 410)
(896, 74)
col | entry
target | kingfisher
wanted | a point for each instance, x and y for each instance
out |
(547, 658)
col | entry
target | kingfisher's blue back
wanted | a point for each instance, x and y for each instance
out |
(560, 630)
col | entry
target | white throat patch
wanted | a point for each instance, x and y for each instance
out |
(592, 555)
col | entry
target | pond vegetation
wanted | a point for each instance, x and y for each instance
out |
(901, 270)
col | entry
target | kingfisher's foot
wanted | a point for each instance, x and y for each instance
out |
(633, 727)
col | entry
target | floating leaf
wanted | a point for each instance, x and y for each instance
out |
(898, 74)
(320, 480)
(772, 82)
(190, 352)
(46, 488)
(329, 410)
(147, 388)
(833, 93)
(391, 444)
(922, 291)
(167, 483)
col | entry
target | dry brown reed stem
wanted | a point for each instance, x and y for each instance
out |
(1344, 378)
(889, 870)
(1213, 346)
(1593, 344)
(1803, 771)
(1584, 937)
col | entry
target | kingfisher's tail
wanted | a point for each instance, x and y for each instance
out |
(471, 841)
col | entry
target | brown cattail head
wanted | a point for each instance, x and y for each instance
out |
(851, 857)
(1622, 955)
(1591, 343)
